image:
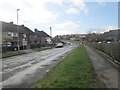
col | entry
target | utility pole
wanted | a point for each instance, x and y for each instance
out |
(18, 31)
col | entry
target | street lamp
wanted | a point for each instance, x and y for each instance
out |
(51, 36)
(18, 30)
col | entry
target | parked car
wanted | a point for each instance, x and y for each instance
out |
(59, 45)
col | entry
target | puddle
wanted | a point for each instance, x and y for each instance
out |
(34, 62)
(55, 60)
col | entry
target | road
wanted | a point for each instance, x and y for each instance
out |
(24, 70)
(106, 72)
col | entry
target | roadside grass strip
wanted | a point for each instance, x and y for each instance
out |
(74, 71)
(12, 53)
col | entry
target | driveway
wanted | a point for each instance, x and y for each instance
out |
(24, 70)
(105, 71)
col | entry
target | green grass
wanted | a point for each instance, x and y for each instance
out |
(12, 53)
(75, 71)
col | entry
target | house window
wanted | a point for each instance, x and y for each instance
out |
(24, 35)
(9, 34)
(24, 42)
(15, 35)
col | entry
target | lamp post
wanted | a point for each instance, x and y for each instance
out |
(51, 36)
(18, 31)
(51, 32)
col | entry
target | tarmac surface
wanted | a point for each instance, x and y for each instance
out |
(106, 72)
(24, 70)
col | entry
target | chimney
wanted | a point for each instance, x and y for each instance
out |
(22, 25)
(35, 30)
(11, 22)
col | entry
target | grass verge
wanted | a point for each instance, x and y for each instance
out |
(12, 53)
(75, 71)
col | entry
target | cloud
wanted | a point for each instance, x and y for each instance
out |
(67, 27)
(102, 30)
(30, 10)
(101, 2)
(58, 2)
(107, 28)
(72, 11)
(77, 7)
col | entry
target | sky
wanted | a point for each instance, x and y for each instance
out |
(64, 16)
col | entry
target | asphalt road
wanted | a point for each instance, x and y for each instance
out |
(106, 72)
(24, 70)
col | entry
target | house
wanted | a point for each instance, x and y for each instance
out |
(94, 37)
(10, 36)
(42, 38)
(26, 37)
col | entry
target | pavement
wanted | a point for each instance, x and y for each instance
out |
(106, 72)
(25, 70)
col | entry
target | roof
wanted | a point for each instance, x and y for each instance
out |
(13, 28)
(26, 30)
(41, 34)
(22, 29)
(113, 32)
(8, 27)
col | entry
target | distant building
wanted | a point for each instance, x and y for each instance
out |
(93, 37)
(112, 35)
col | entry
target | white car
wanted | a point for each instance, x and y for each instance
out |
(59, 45)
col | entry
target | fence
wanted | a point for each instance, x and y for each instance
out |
(110, 49)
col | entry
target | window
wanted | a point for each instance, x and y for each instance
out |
(9, 33)
(15, 34)
(24, 35)
(24, 42)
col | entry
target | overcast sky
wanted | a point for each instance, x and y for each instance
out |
(64, 16)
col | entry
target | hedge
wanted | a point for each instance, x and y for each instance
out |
(110, 49)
